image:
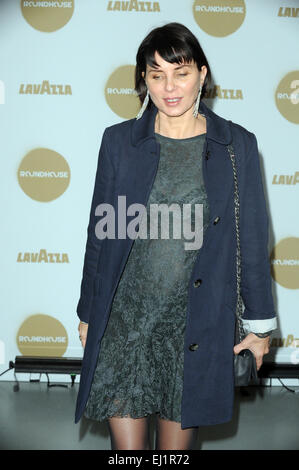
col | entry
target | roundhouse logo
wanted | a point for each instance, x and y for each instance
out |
(287, 97)
(285, 263)
(42, 335)
(120, 94)
(219, 17)
(43, 174)
(47, 16)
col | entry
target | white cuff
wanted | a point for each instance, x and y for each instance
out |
(259, 326)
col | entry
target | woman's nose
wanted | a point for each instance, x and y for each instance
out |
(169, 84)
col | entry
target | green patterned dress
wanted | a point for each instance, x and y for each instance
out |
(140, 364)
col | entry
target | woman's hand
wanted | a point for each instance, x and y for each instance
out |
(259, 347)
(82, 328)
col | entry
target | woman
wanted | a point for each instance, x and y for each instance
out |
(168, 346)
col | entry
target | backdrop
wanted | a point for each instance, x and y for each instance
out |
(66, 73)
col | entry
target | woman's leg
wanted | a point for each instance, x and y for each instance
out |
(169, 435)
(129, 433)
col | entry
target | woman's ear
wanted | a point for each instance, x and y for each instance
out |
(203, 72)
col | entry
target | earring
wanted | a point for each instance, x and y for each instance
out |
(195, 111)
(144, 105)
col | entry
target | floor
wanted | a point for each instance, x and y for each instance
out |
(40, 418)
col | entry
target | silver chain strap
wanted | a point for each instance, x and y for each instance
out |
(239, 308)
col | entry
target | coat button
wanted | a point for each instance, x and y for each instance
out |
(216, 220)
(197, 282)
(207, 154)
(193, 346)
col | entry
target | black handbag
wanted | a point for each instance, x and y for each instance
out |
(245, 369)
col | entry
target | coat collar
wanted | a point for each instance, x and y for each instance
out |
(218, 128)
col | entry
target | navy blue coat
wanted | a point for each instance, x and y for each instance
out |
(127, 165)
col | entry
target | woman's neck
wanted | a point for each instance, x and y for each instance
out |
(180, 127)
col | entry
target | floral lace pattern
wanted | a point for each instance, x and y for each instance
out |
(140, 364)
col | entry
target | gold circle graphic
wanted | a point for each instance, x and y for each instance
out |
(42, 335)
(47, 16)
(120, 94)
(219, 17)
(285, 263)
(43, 174)
(287, 96)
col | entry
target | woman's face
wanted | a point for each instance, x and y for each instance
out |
(173, 88)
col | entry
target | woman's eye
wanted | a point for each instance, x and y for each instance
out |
(157, 77)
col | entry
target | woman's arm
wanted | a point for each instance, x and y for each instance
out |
(256, 282)
(102, 193)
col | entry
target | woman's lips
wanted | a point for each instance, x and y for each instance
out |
(172, 101)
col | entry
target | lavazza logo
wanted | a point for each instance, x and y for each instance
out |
(223, 93)
(280, 342)
(133, 5)
(44, 88)
(42, 256)
(289, 342)
(286, 179)
(289, 12)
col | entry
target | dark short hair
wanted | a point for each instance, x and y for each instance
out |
(174, 43)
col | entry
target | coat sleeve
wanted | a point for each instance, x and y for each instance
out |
(102, 193)
(256, 283)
